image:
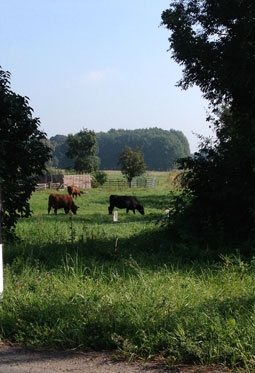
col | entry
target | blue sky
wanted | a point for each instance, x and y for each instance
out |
(97, 64)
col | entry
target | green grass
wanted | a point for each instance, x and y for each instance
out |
(86, 282)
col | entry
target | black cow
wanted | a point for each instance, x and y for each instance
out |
(125, 202)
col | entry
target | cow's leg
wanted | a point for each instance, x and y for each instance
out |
(127, 210)
(56, 211)
(134, 211)
(49, 208)
(110, 209)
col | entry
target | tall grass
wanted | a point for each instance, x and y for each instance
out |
(86, 282)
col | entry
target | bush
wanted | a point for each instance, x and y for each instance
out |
(98, 179)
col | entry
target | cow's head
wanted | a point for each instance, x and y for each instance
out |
(140, 209)
(75, 208)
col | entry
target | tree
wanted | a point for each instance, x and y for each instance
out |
(83, 149)
(23, 154)
(59, 157)
(132, 163)
(160, 147)
(215, 42)
(53, 161)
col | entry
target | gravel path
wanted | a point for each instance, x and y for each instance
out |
(14, 359)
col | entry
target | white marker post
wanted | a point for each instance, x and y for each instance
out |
(115, 216)
(1, 253)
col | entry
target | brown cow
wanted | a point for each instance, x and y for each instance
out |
(74, 191)
(61, 201)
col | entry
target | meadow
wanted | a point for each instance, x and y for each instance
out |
(85, 282)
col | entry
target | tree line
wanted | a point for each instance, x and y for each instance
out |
(161, 148)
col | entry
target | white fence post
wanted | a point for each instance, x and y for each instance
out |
(115, 216)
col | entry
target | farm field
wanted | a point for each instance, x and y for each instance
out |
(85, 282)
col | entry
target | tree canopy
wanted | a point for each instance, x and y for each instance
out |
(82, 147)
(215, 43)
(60, 148)
(132, 163)
(23, 154)
(160, 147)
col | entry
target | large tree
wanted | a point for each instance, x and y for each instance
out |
(132, 163)
(23, 154)
(214, 41)
(83, 149)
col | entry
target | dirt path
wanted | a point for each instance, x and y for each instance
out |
(14, 359)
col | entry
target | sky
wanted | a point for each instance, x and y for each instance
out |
(97, 64)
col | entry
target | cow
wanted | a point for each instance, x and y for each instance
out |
(125, 202)
(61, 201)
(74, 191)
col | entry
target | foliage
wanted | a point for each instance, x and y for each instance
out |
(60, 159)
(23, 154)
(132, 163)
(82, 147)
(215, 42)
(98, 178)
(160, 147)
(51, 146)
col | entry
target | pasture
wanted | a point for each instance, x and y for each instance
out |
(84, 282)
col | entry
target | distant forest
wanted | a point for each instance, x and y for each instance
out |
(160, 148)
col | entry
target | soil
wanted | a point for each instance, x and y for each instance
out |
(16, 359)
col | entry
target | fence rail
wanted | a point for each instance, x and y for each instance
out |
(41, 186)
(137, 182)
(84, 182)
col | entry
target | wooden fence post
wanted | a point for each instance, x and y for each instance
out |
(1, 250)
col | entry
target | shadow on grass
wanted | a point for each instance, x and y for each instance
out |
(96, 218)
(151, 248)
(155, 201)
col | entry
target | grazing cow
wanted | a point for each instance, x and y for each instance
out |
(74, 191)
(125, 202)
(61, 201)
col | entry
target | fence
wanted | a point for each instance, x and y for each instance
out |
(62, 181)
(84, 182)
(137, 182)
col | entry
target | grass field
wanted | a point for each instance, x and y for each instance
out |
(86, 282)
